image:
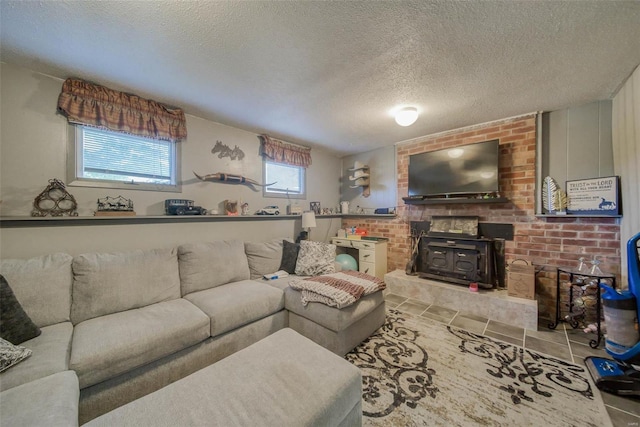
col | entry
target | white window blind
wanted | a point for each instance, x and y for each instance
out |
(289, 180)
(103, 158)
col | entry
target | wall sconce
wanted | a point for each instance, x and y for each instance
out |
(407, 116)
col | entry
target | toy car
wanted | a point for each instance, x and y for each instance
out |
(182, 207)
(269, 210)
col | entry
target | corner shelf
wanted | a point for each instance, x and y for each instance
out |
(453, 201)
(364, 169)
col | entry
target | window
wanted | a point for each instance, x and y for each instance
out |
(289, 180)
(102, 158)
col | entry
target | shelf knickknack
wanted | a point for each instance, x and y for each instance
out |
(554, 199)
(360, 178)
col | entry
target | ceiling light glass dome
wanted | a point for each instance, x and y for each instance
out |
(407, 116)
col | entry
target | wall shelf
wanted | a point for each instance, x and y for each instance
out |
(453, 201)
(70, 221)
(576, 216)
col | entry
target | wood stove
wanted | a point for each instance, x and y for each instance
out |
(457, 260)
(451, 250)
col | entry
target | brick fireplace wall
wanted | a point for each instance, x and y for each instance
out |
(546, 242)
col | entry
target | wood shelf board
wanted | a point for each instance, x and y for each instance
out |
(67, 221)
(454, 201)
(576, 216)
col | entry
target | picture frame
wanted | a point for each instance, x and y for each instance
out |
(315, 207)
(594, 196)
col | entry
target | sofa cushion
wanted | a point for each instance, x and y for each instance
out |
(48, 401)
(106, 346)
(236, 304)
(11, 354)
(15, 325)
(264, 257)
(50, 354)
(331, 317)
(106, 283)
(289, 256)
(281, 283)
(206, 265)
(42, 285)
(315, 258)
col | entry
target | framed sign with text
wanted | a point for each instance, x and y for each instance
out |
(595, 196)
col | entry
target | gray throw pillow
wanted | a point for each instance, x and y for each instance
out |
(11, 355)
(15, 324)
(315, 258)
(289, 256)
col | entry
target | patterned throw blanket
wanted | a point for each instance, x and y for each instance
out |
(337, 289)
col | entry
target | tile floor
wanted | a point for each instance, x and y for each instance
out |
(564, 342)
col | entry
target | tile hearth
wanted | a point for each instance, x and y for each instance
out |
(493, 304)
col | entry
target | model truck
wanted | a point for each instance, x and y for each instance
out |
(182, 207)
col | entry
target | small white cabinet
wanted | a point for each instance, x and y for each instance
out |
(371, 254)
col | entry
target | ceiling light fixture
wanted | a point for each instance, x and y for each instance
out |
(407, 116)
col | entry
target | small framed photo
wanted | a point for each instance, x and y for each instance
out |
(315, 207)
(595, 196)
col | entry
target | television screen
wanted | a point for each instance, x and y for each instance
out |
(467, 169)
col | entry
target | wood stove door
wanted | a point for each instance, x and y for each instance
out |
(466, 263)
(439, 257)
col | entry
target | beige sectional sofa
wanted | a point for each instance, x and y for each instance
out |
(130, 323)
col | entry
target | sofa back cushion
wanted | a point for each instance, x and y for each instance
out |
(207, 265)
(42, 285)
(264, 257)
(105, 283)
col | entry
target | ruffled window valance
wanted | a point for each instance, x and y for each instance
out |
(282, 152)
(90, 104)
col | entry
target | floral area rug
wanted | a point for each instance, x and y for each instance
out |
(420, 372)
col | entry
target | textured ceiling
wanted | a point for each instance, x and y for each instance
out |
(327, 74)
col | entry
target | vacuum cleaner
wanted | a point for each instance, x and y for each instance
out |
(621, 375)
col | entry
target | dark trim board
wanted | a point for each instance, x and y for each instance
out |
(489, 230)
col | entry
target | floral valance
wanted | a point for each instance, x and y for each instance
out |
(90, 104)
(282, 152)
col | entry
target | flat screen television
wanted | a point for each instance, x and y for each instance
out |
(464, 170)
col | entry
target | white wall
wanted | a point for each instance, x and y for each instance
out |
(33, 147)
(382, 168)
(34, 241)
(626, 148)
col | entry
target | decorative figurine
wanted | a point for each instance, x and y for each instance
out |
(554, 199)
(225, 151)
(182, 207)
(231, 179)
(315, 207)
(115, 206)
(269, 210)
(231, 207)
(55, 200)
